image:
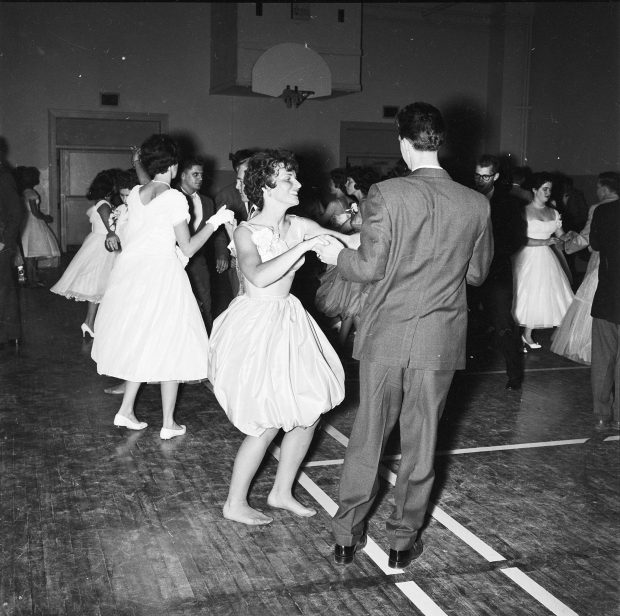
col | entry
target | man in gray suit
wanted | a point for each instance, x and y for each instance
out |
(423, 238)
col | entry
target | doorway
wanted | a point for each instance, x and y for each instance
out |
(81, 145)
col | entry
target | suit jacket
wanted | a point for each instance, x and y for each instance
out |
(217, 240)
(605, 237)
(423, 237)
(230, 197)
(11, 210)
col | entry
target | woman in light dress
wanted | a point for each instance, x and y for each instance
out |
(86, 277)
(149, 327)
(573, 339)
(337, 210)
(335, 295)
(38, 240)
(270, 365)
(542, 293)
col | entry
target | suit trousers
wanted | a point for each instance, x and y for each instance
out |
(497, 295)
(605, 369)
(416, 399)
(199, 277)
(10, 321)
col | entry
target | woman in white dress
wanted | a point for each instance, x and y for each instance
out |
(86, 277)
(270, 365)
(573, 339)
(542, 293)
(38, 240)
(149, 327)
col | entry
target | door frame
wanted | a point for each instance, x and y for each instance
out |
(54, 150)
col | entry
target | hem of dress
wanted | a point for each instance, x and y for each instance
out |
(152, 381)
(79, 297)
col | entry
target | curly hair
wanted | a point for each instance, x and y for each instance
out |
(262, 170)
(158, 153)
(423, 125)
(364, 178)
(339, 178)
(103, 186)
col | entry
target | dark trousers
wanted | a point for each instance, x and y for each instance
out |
(496, 297)
(10, 322)
(416, 399)
(605, 369)
(199, 277)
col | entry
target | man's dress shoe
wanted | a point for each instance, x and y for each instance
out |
(399, 559)
(344, 554)
(513, 384)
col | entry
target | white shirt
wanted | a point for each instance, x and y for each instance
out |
(197, 211)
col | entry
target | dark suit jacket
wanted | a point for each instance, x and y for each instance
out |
(11, 210)
(605, 237)
(423, 237)
(217, 240)
(230, 197)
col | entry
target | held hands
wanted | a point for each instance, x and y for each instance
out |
(221, 217)
(221, 264)
(112, 242)
(353, 241)
(553, 240)
(328, 249)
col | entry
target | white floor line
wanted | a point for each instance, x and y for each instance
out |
(574, 441)
(323, 463)
(376, 554)
(485, 550)
(420, 599)
(613, 438)
(556, 369)
(538, 592)
(339, 436)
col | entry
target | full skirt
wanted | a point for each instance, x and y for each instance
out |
(337, 296)
(573, 339)
(149, 327)
(86, 277)
(38, 240)
(271, 366)
(542, 293)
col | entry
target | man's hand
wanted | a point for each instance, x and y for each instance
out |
(328, 252)
(221, 264)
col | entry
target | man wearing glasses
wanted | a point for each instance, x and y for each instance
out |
(509, 234)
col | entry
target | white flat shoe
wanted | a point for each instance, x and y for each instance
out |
(167, 433)
(531, 345)
(120, 420)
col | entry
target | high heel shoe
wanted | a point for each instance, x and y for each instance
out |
(125, 422)
(531, 345)
(87, 330)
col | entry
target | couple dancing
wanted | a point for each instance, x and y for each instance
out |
(423, 237)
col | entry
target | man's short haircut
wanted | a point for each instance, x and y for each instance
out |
(188, 163)
(423, 125)
(611, 180)
(240, 156)
(488, 160)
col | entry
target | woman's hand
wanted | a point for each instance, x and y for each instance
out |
(112, 242)
(222, 216)
(353, 241)
(553, 240)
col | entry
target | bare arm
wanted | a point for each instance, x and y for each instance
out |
(191, 244)
(263, 274)
(313, 229)
(112, 242)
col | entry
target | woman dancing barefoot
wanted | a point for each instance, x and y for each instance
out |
(271, 366)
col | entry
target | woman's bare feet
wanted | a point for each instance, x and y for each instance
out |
(290, 504)
(245, 514)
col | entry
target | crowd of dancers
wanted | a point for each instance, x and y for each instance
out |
(400, 254)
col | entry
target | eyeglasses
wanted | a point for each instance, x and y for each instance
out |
(485, 178)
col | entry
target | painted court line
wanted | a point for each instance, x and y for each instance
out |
(538, 592)
(376, 554)
(613, 438)
(557, 369)
(420, 599)
(324, 463)
(486, 551)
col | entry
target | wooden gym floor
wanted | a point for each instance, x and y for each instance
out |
(98, 520)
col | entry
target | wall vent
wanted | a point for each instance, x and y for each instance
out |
(109, 99)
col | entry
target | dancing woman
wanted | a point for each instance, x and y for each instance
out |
(149, 327)
(542, 291)
(86, 277)
(271, 366)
